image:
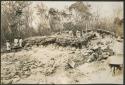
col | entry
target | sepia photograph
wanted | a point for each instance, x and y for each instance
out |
(62, 42)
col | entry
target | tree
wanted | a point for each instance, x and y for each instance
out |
(81, 14)
(10, 15)
(55, 20)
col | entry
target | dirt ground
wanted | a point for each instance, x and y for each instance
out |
(50, 65)
(95, 72)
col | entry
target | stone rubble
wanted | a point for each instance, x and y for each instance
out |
(20, 65)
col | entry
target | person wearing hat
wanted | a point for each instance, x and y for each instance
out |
(8, 46)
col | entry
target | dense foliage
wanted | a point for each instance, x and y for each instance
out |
(28, 18)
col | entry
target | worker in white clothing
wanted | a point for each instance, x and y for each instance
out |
(20, 42)
(71, 33)
(78, 34)
(8, 46)
(16, 41)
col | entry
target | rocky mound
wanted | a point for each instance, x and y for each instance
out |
(59, 40)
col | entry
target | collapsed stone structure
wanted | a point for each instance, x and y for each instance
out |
(86, 49)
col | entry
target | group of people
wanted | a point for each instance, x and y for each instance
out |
(17, 44)
(76, 34)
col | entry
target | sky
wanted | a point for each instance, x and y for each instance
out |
(105, 8)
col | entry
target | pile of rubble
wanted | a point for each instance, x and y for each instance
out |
(97, 49)
(16, 67)
(58, 40)
(94, 48)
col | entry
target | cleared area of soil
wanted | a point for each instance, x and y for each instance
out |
(50, 65)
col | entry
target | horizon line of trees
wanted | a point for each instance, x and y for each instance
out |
(22, 18)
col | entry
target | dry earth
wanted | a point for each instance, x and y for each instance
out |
(49, 65)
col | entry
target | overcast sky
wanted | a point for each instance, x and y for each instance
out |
(106, 8)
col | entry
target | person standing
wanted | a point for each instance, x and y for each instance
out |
(8, 46)
(71, 33)
(78, 34)
(16, 41)
(20, 42)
